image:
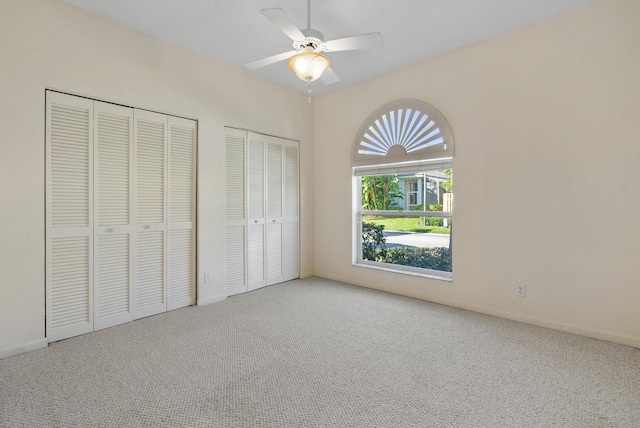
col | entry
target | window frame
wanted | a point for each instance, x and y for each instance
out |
(359, 214)
(410, 192)
(402, 136)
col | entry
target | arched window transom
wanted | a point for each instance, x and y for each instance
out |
(403, 130)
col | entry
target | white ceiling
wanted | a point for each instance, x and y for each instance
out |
(235, 32)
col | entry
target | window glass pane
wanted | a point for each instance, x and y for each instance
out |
(408, 238)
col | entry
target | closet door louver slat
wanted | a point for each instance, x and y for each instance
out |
(181, 269)
(274, 183)
(255, 256)
(69, 204)
(291, 259)
(113, 206)
(256, 210)
(181, 240)
(150, 266)
(150, 134)
(235, 177)
(68, 281)
(234, 266)
(235, 222)
(113, 291)
(274, 253)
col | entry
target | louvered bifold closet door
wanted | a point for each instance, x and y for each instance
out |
(291, 258)
(181, 261)
(274, 219)
(150, 136)
(69, 206)
(235, 220)
(256, 211)
(113, 205)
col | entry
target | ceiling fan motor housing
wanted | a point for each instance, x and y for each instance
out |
(313, 38)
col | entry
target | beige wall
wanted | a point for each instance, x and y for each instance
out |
(49, 44)
(546, 122)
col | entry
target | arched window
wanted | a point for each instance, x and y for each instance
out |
(403, 181)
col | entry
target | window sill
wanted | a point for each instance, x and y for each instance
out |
(407, 270)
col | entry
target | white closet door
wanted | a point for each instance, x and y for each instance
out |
(181, 282)
(291, 259)
(151, 182)
(69, 206)
(235, 220)
(274, 219)
(256, 211)
(113, 249)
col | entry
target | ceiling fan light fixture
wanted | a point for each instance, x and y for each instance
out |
(308, 64)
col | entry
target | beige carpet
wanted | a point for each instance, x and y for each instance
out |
(317, 353)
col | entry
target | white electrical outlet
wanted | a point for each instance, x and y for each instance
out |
(207, 277)
(521, 290)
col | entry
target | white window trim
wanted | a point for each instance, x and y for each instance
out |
(405, 270)
(389, 267)
(393, 141)
(358, 173)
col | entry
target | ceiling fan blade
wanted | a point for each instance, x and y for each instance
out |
(329, 77)
(269, 60)
(284, 23)
(363, 41)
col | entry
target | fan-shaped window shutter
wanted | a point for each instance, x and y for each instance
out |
(182, 195)
(234, 267)
(69, 202)
(403, 131)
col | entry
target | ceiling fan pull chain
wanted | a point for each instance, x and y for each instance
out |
(309, 92)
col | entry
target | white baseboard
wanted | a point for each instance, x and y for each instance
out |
(593, 333)
(25, 347)
(209, 300)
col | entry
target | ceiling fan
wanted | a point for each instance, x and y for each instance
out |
(306, 58)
